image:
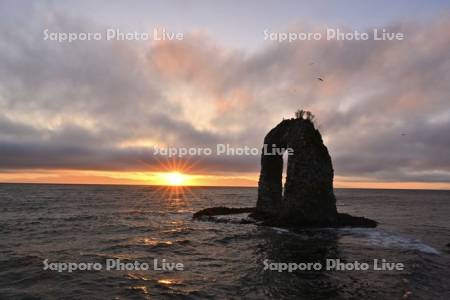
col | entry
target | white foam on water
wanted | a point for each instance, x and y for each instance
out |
(381, 238)
(280, 230)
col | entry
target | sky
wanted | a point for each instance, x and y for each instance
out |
(93, 111)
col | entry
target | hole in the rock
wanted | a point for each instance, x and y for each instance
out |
(284, 174)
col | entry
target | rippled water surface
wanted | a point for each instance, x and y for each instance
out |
(79, 223)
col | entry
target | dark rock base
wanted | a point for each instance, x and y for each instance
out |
(222, 210)
(343, 220)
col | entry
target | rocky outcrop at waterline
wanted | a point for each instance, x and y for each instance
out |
(307, 199)
(212, 213)
(222, 210)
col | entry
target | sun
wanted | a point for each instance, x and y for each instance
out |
(175, 178)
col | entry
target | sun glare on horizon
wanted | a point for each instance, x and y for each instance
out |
(175, 179)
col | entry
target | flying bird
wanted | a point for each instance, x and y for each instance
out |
(403, 134)
(320, 79)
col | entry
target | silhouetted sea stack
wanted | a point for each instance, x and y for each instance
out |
(308, 192)
(308, 199)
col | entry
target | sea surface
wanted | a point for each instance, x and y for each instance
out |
(94, 223)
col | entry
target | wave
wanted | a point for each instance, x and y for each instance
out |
(373, 237)
(384, 239)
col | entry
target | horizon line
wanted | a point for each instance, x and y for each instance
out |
(206, 186)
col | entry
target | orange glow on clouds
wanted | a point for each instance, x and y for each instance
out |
(180, 173)
(179, 178)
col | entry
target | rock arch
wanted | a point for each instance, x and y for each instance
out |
(308, 199)
(308, 196)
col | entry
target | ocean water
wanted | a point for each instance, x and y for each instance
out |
(81, 224)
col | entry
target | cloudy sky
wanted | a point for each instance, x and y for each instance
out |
(93, 111)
